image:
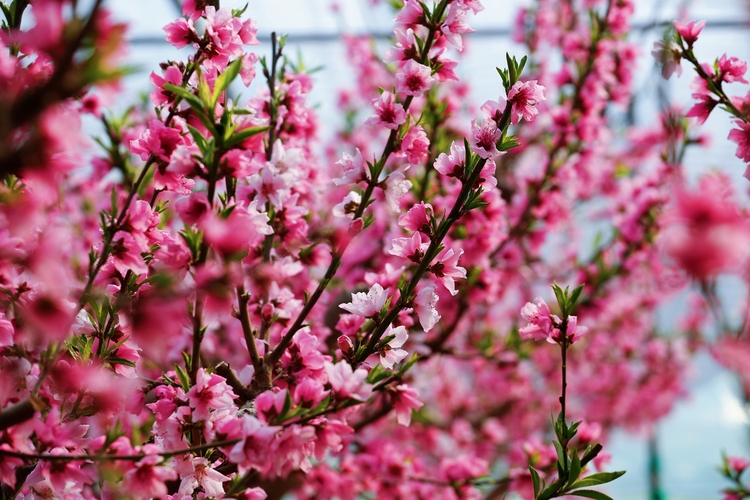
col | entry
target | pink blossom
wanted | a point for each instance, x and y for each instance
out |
(388, 113)
(689, 31)
(404, 401)
(160, 96)
(210, 392)
(494, 110)
(367, 304)
(738, 464)
(542, 322)
(455, 25)
(484, 137)
(6, 331)
(424, 305)
(414, 78)
(396, 186)
(669, 56)
(405, 49)
(392, 352)
(349, 206)
(158, 140)
(524, 96)
(256, 445)
(708, 233)
(147, 478)
(348, 383)
(741, 137)
(446, 268)
(705, 102)
(463, 468)
(417, 218)
(242, 229)
(410, 13)
(452, 164)
(309, 392)
(415, 145)
(354, 168)
(254, 493)
(732, 69)
(413, 248)
(203, 475)
(181, 32)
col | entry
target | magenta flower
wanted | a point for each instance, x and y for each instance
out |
(446, 269)
(417, 218)
(484, 137)
(388, 113)
(414, 78)
(741, 137)
(181, 32)
(705, 101)
(732, 69)
(689, 31)
(210, 392)
(524, 96)
(738, 464)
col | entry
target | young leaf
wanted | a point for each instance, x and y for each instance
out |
(184, 380)
(575, 466)
(596, 495)
(534, 480)
(225, 79)
(597, 479)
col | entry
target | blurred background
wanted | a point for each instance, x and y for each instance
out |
(711, 419)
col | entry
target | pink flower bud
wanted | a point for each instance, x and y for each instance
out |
(346, 345)
(267, 311)
(356, 226)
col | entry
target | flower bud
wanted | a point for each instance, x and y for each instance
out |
(346, 346)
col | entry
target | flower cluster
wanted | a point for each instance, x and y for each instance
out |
(204, 305)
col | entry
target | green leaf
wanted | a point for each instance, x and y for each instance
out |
(522, 65)
(561, 298)
(199, 139)
(405, 366)
(597, 495)
(184, 93)
(562, 459)
(550, 490)
(183, 376)
(574, 296)
(575, 467)
(597, 479)
(242, 135)
(120, 361)
(225, 79)
(534, 480)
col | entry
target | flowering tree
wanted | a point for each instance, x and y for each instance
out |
(210, 307)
